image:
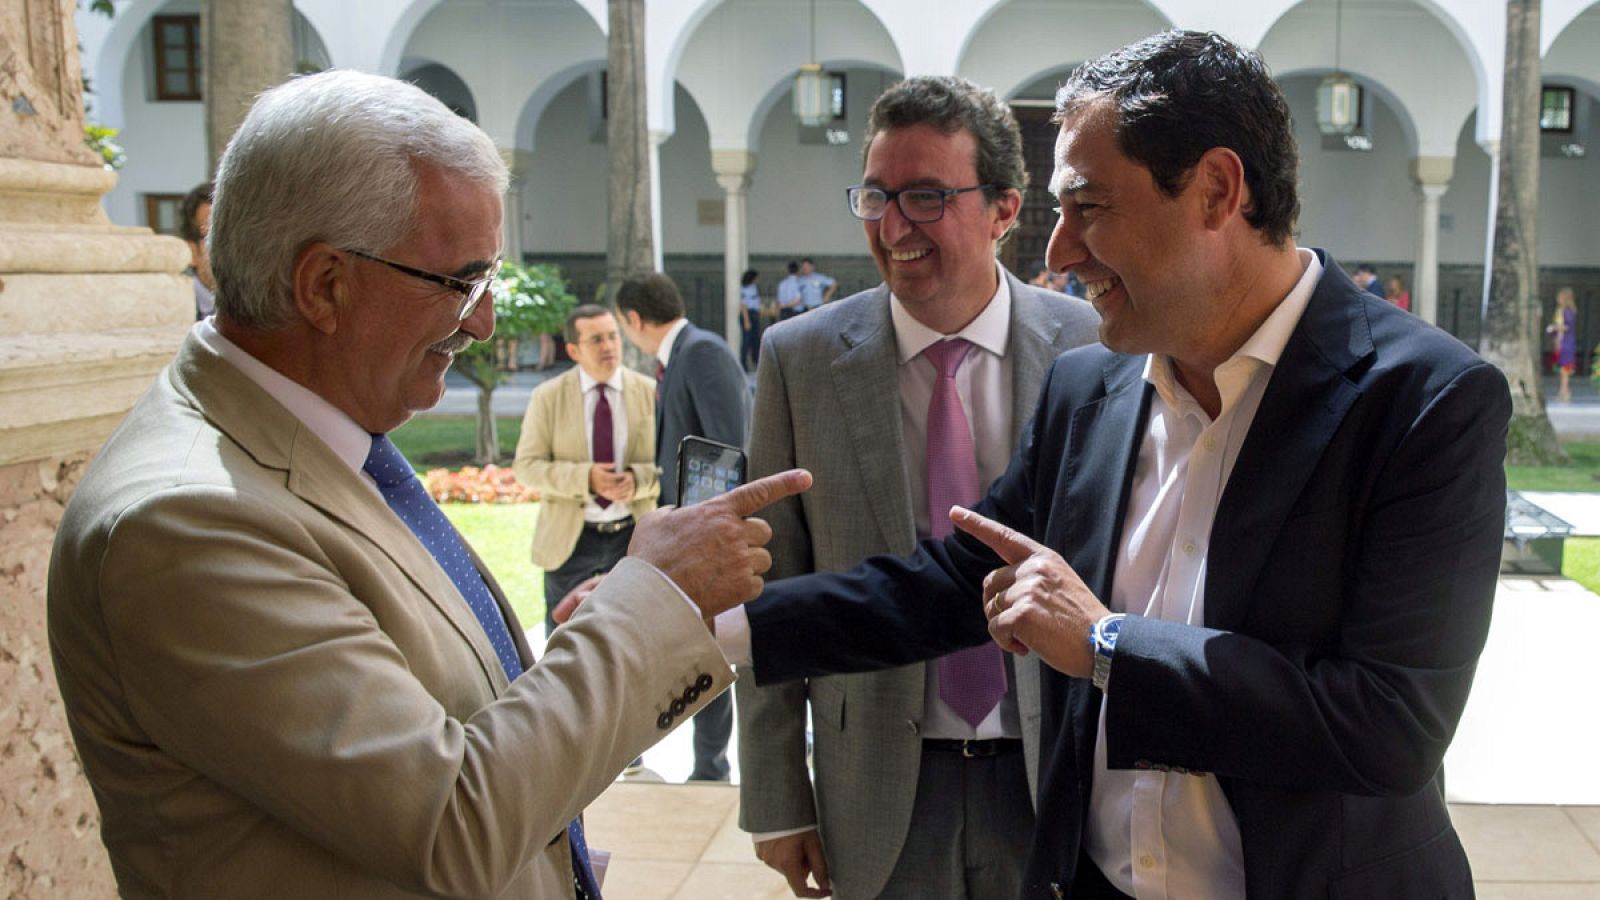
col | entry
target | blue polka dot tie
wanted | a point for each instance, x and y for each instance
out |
(398, 483)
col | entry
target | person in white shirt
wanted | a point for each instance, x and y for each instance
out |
(815, 287)
(1254, 538)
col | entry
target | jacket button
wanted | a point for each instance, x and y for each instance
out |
(1055, 890)
(913, 727)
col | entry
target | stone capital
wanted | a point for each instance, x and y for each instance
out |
(1430, 171)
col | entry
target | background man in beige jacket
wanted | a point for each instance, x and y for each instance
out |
(588, 446)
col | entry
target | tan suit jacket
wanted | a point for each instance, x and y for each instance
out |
(553, 458)
(276, 692)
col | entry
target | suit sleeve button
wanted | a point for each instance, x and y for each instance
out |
(664, 721)
(704, 682)
(678, 707)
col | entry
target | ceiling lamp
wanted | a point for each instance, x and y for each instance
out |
(811, 89)
(1338, 97)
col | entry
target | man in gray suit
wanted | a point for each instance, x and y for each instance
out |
(702, 391)
(915, 795)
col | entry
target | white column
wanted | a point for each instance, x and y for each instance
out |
(1432, 176)
(517, 162)
(657, 138)
(733, 168)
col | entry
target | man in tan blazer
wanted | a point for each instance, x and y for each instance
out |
(279, 682)
(596, 474)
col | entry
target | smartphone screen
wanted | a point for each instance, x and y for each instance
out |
(707, 468)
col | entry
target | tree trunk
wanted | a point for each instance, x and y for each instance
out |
(1513, 334)
(628, 214)
(486, 448)
(248, 47)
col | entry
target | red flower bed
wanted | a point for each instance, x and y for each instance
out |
(490, 484)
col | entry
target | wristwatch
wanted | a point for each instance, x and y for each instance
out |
(1103, 641)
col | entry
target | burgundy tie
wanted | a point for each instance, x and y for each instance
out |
(661, 375)
(973, 680)
(604, 451)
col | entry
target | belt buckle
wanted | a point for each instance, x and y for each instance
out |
(966, 750)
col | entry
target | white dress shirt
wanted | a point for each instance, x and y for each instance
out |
(984, 382)
(1164, 835)
(664, 352)
(592, 511)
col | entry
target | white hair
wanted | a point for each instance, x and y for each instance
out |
(328, 157)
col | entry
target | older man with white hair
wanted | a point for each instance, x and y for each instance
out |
(286, 674)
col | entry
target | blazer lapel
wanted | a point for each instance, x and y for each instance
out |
(865, 382)
(1304, 402)
(277, 440)
(1032, 349)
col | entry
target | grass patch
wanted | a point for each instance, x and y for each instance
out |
(1580, 561)
(433, 442)
(501, 533)
(1582, 475)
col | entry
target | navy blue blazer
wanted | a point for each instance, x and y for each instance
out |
(1350, 575)
(704, 392)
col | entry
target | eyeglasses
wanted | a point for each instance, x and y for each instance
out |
(471, 291)
(920, 205)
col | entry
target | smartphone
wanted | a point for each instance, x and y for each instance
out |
(707, 468)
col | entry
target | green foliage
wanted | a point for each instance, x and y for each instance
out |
(528, 301)
(103, 7)
(100, 139)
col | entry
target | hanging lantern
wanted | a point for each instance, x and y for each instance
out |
(1338, 104)
(812, 98)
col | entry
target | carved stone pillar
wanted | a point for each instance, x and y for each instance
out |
(89, 312)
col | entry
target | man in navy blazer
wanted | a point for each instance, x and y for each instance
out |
(702, 391)
(1254, 537)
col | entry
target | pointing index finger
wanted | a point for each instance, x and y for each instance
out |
(1012, 545)
(747, 500)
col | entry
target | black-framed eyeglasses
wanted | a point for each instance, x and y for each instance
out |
(920, 205)
(472, 292)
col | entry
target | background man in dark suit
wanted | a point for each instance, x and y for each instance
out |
(1255, 537)
(911, 799)
(702, 392)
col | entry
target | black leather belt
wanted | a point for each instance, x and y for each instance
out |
(974, 749)
(611, 527)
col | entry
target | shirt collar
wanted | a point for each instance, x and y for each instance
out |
(1261, 350)
(587, 381)
(990, 330)
(664, 352)
(348, 440)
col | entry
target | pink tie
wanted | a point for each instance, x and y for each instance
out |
(973, 680)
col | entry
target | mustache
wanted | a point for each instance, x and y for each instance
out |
(453, 344)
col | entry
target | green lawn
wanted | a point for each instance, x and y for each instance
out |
(433, 442)
(1580, 561)
(1581, 475)
(501, 533)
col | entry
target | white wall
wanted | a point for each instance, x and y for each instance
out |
(1357, 205)
(796, 201)
(564, 189)
(1025, 38)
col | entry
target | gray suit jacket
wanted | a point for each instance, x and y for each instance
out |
(704, 393)
(276, 692)
(827, 400)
